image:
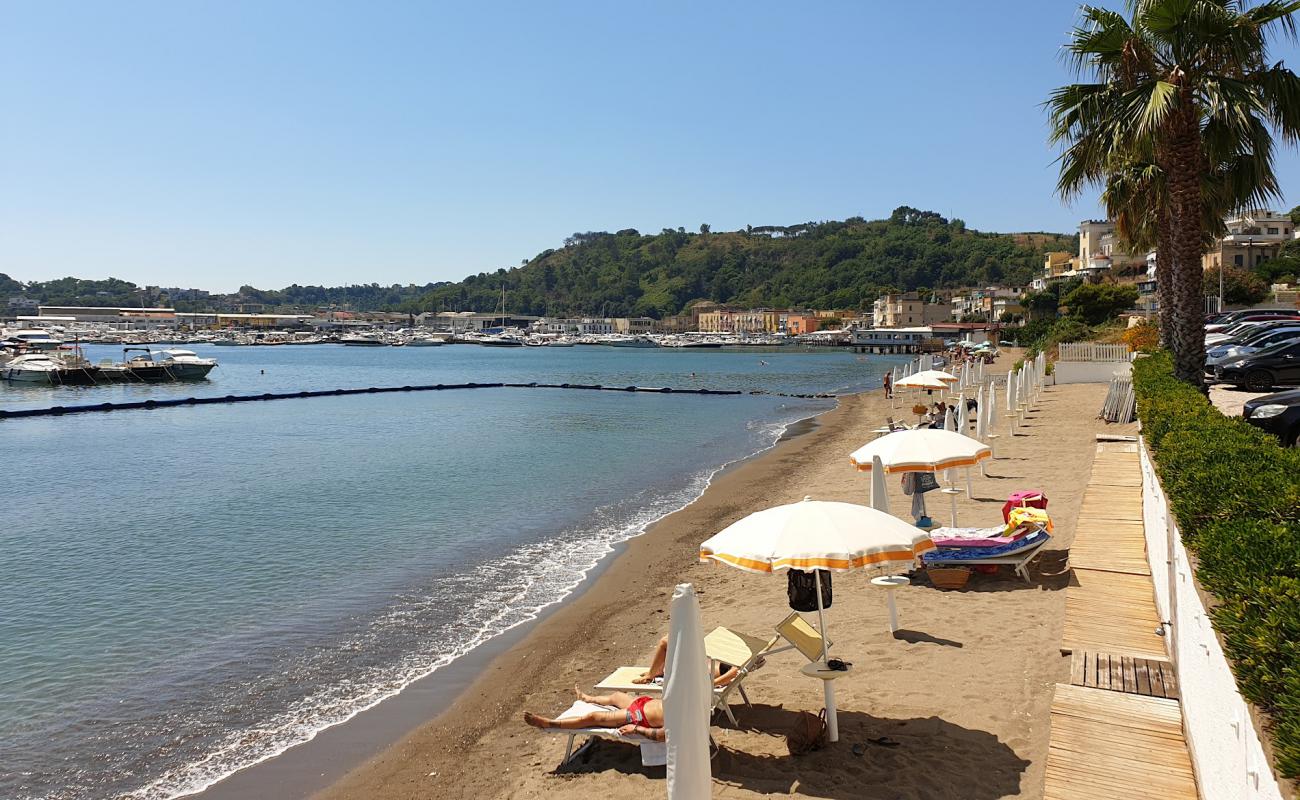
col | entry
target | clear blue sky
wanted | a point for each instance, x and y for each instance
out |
(221, 143)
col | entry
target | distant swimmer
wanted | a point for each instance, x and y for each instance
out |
(762, 363)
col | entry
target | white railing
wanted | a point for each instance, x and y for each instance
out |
(1091, 351)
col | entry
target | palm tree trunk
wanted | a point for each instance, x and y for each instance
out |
(1184, 183)
(1165, 299)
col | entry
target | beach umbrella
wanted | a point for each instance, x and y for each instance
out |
(818, 535)
(938, 374)
(921, 381)
(1011, 401)
(879, 494)
(963, 422)
(922, 450)
(688, 700)
(980, 425)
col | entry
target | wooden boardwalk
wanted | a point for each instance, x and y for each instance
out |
(1111, 745)
(1110, 605)
(1117, 727)
(1124, 674)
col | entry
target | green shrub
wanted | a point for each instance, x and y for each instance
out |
(1236, 496)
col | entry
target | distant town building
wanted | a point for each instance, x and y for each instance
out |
(906, 310)
(1252, 238)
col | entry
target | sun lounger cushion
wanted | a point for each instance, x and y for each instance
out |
(945, 554)
(653, 754)
(973, 537)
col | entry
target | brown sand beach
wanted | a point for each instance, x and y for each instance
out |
(955, 705)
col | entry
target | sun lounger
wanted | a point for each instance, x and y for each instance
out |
(653, 754)
(1018, 554)
(980, 537)
(744, 652)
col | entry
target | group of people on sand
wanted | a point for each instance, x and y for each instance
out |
(633, 716)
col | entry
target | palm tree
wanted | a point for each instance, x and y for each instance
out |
(1185, 87)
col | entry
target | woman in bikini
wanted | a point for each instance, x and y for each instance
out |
(636, 716)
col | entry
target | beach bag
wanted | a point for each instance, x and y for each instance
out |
(807, 734)
(925, 482)
(803, 591)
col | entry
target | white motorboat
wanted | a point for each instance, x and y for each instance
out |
(424, 341)
(33, 338)
(35, 368)
(363, 340)
(560, 343)
(501, 340)
(623, 340)
(186, 365)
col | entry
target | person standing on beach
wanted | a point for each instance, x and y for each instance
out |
(889, 386)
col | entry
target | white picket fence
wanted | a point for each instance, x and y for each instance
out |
(1091, 351)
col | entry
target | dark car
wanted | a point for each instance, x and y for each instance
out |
(1279, 414)
(1278, 365)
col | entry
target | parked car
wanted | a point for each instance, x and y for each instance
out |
(1279, 414)
(1251, 315)
(1246, 327)
(1253, 343)
(1278, 365)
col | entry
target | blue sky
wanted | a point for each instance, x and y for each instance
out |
(213, 144)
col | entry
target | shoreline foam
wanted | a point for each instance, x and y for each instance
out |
(287, 780)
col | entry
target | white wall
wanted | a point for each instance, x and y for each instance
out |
(1226, 751)
(1089, 371)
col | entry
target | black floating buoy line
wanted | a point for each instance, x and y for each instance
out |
(57, 411)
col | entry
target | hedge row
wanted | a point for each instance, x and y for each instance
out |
(1236, 496)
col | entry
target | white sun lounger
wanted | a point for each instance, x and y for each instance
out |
(653, 754)
(745, 652)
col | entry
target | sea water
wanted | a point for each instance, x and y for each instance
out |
(187, 591)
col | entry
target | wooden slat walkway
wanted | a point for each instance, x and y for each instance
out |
(1117, 728)
(1109, 745)
(1124, 674)
(1110, 605)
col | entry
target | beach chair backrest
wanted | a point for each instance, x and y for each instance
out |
(736, 649)
(804, 637)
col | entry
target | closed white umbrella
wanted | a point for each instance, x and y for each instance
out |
(963, 421)
(879, 494)
(981, 426)
(818, 535)
(688, 700)
(1011, 401)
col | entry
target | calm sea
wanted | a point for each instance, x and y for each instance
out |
(188, 591)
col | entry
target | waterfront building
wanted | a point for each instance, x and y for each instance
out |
(907, 309)
(895, 340)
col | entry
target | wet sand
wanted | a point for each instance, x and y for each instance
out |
(955, 705)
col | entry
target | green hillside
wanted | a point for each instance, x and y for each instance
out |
(843, 265)
(823, 265)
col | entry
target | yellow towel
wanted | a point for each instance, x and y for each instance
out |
(1027, 516)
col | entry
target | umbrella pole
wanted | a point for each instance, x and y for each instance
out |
(968, 497)
(832, 722)
(953, 495)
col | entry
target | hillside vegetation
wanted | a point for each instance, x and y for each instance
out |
(822, 265)
(838, 264)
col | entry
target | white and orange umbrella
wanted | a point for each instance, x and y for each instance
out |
(818, 535)
(922, 450)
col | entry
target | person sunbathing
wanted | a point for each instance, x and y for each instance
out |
(720, 672)
(635, 716)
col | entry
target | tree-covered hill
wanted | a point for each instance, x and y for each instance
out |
(842, 265)
(819, 264)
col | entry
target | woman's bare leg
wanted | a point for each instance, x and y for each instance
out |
(596, 719)
(615, 699)
(657, 662)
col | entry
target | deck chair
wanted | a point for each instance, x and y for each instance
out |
(740, 650)
(1017, 554)
(745, 653)
(653, 754)
(801, 636)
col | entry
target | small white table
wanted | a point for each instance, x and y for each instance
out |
(828, 676)
(890, 583)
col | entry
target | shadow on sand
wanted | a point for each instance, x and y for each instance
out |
(876, 757)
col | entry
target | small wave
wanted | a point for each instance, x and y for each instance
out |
(511, 591)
